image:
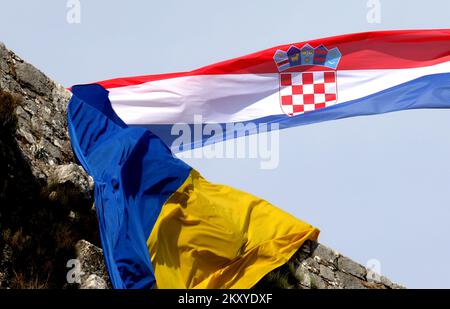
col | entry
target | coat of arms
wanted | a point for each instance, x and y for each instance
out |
(308, 79)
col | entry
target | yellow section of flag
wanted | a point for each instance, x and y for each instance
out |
(213, 236)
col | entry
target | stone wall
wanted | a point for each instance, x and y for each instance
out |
(316, 266)
(46, 212)
(45, 198)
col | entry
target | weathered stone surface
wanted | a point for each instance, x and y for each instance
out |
(310, 280)
(317, 282)
(316, 266)
(347, 281)
(382, 280)
(35, 79)
(3, 59)
(311, 264)
(94, 282)
(93, 269)
(73, 175)
(302, 275)
(326, 254)
(327, 273)
(351, 267)
(43, 193)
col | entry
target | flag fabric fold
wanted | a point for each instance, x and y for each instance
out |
(161, 223)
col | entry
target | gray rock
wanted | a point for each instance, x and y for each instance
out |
(73, 174)
(316, 282)
(24, 116)
(307, 279)
(32, 77)
(60, 98)
(4, 54)
(91, 263)
(302, 275)
(94, 282)
(379, 279)
(326, 254)
(351, 267)
(311, 264)
(27, 135)
(327, 273)
(347, 281)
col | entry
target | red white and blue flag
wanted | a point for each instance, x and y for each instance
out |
(296, 84)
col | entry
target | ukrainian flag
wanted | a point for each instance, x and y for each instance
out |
(161, 223)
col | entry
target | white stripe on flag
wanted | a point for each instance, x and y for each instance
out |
(239, 97)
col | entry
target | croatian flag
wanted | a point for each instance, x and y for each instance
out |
(295, 84)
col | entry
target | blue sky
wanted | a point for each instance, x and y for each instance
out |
(377, 186)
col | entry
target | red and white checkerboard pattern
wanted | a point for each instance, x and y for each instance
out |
(302, 92)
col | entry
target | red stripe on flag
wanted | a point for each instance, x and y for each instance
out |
(361, 51)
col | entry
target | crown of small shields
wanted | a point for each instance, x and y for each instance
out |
(307, 55)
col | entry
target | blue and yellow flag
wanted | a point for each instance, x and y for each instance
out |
(161, 223)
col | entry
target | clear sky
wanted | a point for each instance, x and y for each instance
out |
(377, 187)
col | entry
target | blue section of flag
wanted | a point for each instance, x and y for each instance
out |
(134, 174)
